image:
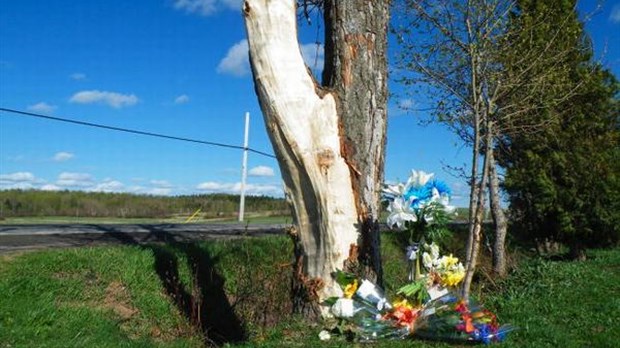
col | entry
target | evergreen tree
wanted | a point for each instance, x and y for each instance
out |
(563, 180)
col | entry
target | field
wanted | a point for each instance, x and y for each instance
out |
(236, 293)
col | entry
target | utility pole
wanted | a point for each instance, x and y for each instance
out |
(244, 167)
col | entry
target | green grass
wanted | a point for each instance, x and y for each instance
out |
(167, 296)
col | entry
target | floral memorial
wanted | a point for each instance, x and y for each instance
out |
(428, 305)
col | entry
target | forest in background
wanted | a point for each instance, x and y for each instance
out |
(21, 203)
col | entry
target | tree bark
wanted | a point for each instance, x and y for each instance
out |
(499, 219)
(330, 141)
(356, 71)
(475, 234)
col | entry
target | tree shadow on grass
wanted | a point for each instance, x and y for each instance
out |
(205, 304)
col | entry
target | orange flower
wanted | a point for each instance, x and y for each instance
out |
(404, 314)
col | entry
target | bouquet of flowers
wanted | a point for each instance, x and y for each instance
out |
(445, 317)
(451, 318)
(426, 306)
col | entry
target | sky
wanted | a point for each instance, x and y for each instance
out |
(179, 68)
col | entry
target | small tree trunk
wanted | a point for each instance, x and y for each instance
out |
(329, 142)
(473, 245)
(499, 219)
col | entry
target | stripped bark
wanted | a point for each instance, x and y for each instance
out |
(329, 140)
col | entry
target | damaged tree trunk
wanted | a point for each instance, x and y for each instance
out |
(329, 140)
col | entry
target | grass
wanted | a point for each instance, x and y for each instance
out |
(237, 292)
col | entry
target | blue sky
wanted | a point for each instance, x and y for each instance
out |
(176, 67)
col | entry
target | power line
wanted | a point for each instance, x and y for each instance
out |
(133, 131)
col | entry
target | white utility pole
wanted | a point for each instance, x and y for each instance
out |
(244, 166)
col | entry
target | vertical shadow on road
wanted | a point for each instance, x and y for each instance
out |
(204, 304)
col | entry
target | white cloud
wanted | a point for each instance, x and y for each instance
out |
(406, 104)
(113, 99)
(235, 188)
(310, 54)
(108, 185)
(201, 7)
(232, 4)
(206, 7)
(161, 183)
(50, 187)
(62, 156)
(182, 99)
(42, 107)
(78, 76)
(158, 191)
(236, 62)
(18, 180)
(615, 14)
(17, 177)
(66, 179)
(261, 171)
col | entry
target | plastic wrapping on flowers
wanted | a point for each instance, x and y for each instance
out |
(443, 317)
(427, 306)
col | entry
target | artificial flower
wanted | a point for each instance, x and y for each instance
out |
(419, 178)
(400, 212)
(350, 289)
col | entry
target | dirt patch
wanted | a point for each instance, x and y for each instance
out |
(11, 255)
(117, 299)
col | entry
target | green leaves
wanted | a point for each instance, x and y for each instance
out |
(415, 291)
(344, 278)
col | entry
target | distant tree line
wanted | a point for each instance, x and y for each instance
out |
(20, 203)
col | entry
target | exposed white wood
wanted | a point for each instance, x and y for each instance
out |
(304, 130)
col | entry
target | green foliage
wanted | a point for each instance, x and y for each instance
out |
(344, 278)
(563, 180)
(415, 291)
(17, 203)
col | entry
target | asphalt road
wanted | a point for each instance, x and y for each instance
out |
(29, 237)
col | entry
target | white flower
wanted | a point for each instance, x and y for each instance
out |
(419, 178)
(324, 335)
(343, 308)
(427, 260)
(434, 250)
(431, 260)
(393, 191)
(400, 211)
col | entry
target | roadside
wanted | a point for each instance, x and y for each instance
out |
(31, 237)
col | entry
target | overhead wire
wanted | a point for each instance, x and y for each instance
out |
(133, 131)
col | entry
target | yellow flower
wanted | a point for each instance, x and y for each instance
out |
(402, 304)
(452, 278)
(350, 289)
(448, 261)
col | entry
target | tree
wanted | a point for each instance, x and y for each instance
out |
(328, 138)
(563, 181)
(452, 49)
(460, 53)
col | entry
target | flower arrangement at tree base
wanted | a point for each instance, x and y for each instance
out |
(427, 306)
